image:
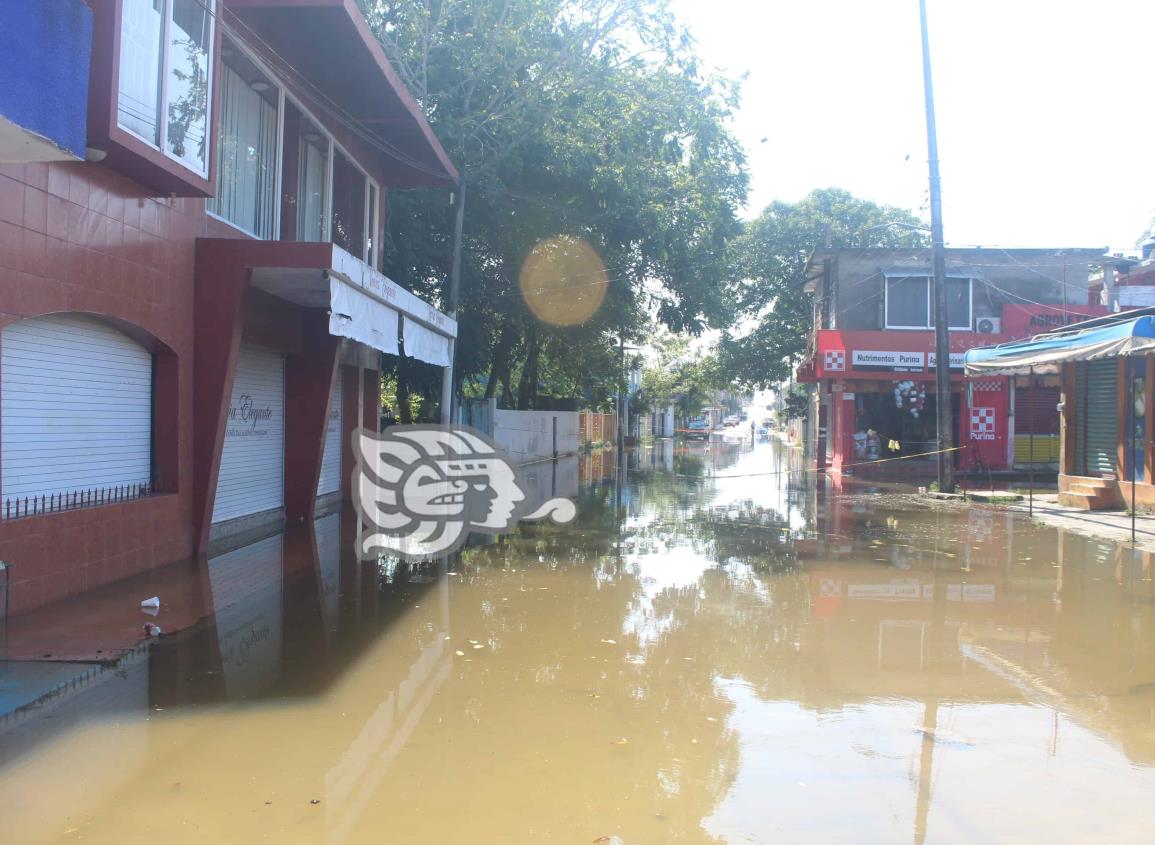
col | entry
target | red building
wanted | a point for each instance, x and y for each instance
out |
(192, 205)
(873, 361)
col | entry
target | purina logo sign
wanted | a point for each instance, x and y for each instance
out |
(982, 423)
(421, 489)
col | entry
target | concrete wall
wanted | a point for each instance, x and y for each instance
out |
(529, 435)
(1004, 277)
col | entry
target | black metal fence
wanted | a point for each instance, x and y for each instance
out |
(17, 507)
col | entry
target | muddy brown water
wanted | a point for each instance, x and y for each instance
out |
(710, 654)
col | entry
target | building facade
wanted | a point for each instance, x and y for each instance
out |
(872, 354)
(193, 196)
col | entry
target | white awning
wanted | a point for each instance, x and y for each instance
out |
(358, 316)
(425, 344)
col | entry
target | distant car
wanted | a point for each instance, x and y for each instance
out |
(730, 421)
(697, 430)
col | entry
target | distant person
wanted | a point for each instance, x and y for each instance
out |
(387, 418)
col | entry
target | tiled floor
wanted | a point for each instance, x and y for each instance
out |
(104, 623)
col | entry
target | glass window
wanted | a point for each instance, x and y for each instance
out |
(374, 237)
(958, 304)
(349, 185)
(188, 82)
(313, 173)
(138, 106)
(165, 51)
(246, 148)
(907, 301)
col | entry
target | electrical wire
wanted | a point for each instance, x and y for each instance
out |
(338, 112)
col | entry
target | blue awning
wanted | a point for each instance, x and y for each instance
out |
(1045, 353)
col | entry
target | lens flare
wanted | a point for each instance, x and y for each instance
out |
(563, 280)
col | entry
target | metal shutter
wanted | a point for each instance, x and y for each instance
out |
(75, 406)
(330, 478)
(251, 478)
(1036, 410)
(1100, 415)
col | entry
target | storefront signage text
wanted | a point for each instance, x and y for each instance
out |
(247, 419)
(891, 362)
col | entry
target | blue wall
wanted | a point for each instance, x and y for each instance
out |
(45, 47)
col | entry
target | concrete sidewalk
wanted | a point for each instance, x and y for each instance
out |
(1103, 525)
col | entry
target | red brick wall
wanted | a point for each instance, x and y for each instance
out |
(80, 237)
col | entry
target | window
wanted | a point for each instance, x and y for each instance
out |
(165, 77)
(138, 109)
(349, 199)
(374, 246)
(910, 303)
(246, 148)
(907, 303)
(314, 176)
(294, 183)
(958, 304)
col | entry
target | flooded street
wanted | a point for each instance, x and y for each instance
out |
(717, 650)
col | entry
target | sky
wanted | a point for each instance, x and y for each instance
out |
(1046, 129)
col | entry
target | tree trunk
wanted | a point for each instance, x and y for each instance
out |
(499, 368)
(404, 412)
(527, 389)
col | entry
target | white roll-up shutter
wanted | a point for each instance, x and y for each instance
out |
(75, 407)
(330, 478)
(251, 477)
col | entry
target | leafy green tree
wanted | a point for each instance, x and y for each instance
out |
(770, 260)
(584, 118)
(688, 378)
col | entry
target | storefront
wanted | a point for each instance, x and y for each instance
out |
(879, 403)
(1105, 366)
(251, 478)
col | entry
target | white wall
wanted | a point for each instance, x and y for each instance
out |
(528, 435)
(1136, 296)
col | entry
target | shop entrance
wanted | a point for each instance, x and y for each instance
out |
(897, 424)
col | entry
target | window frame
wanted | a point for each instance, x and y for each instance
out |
(928, 281)
(212, 54)
(278, 151)
(370, 250)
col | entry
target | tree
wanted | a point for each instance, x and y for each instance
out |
(770, 260)
(582, 118)
(681, 375)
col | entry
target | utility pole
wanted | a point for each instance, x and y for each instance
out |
(622, 395)
(945, 419)
(447, 398)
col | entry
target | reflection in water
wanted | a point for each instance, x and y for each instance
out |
(718, 650)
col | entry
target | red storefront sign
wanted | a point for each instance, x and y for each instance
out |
(1029, 320)
(888, 355)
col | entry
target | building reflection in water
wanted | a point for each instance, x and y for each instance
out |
(720, 647)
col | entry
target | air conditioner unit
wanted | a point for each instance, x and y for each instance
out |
(989, 325)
